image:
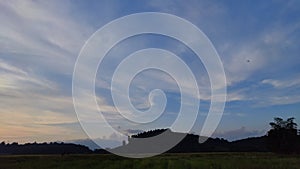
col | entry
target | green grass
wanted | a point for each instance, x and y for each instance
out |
(167, 161)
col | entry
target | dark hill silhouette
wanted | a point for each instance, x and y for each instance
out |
(282, 138)
(252, 144)
(43, 148)
(190, 143)
(150, 133)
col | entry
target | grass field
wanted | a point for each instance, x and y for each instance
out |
(167, 161)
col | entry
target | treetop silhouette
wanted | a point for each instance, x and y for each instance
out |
(283, 138)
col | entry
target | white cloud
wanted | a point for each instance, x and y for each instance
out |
(41, 37)
(44, 32)
(282, 83)
(37, 38)
(14, 78)
(27, 101)
(273, 100)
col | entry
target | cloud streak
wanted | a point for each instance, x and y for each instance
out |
(41, 40)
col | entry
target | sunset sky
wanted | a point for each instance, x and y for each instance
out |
(258, 43)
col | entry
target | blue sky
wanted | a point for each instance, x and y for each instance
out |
(40, 41)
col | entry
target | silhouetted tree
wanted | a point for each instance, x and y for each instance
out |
(43, 148)
(282, 138)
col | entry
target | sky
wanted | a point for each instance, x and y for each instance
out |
(257, 41)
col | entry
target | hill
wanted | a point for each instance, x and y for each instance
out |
(153, 142)
(43, 148)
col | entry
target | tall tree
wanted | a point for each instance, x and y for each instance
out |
(282, 138)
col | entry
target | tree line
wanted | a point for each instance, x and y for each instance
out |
(283, 137)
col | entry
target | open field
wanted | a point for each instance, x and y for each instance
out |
(167, 161)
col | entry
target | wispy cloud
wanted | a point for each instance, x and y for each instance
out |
(284, 83)
(44, 37)
(40, 41)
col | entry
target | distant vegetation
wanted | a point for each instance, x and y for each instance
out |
(43, 148)
(282, 138)
(190, 143)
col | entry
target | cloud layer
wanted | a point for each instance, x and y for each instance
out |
(258, 43)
